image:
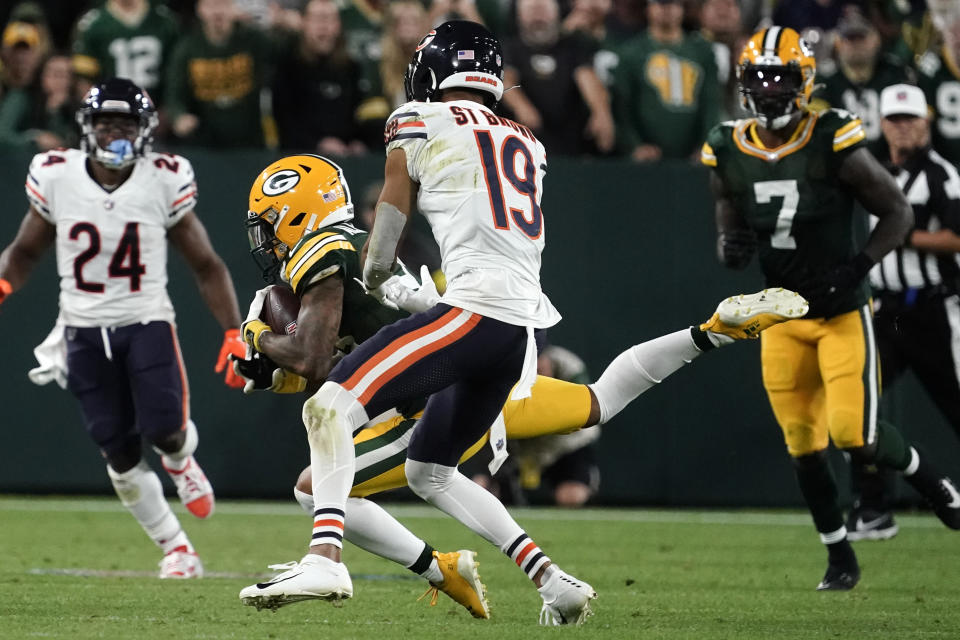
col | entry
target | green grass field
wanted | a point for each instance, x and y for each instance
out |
(79, 568)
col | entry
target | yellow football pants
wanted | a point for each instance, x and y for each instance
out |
(553, 407)
(823, 380)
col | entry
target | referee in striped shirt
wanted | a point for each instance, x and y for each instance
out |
(917, 310)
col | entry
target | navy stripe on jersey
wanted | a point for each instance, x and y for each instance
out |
(407, 136)
(405, 114)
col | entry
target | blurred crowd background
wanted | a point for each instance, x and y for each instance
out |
(643, 79)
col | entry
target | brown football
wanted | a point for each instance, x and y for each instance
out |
(280, 309)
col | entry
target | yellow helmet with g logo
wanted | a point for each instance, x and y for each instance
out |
(289, 199)
(776, 73)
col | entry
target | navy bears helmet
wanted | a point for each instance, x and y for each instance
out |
(117, 96)
(459, 54)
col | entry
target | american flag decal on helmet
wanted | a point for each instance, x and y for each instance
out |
(465, 54)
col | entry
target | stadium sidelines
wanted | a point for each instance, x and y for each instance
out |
(408, 511)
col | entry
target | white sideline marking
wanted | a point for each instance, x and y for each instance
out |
(658, 516)
(101, 573)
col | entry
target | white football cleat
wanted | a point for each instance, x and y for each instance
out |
(745, 316)
(313, 578)
(195, 491)
(181, 564)
(566, 600)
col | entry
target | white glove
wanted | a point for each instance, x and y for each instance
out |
(401, 295)
(256, 306)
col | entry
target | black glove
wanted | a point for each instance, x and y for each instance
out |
(737, 246)
(838, 280)
(262, 374)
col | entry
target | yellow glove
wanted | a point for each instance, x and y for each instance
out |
(251, 330)
(286, 382)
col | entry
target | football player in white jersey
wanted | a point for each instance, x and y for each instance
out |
(111, 208)
(477, 178)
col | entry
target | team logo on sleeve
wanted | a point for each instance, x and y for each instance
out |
(391, 130)
(280, 182)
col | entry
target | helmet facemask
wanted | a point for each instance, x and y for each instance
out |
(117, 97)
(772, 93)
(266, 248)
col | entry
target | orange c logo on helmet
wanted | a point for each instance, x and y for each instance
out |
(427, 39)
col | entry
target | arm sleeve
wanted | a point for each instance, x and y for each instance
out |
(44, 170)
(848, 135)
(181, 186)
(407, 129)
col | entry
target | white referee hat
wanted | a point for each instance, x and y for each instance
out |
(903, 99)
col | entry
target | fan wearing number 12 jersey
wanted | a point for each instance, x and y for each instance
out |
(111, 208)
(786, 182)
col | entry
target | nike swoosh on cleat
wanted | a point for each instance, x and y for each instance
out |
(264, 585)
(866, 525)
(955, 497)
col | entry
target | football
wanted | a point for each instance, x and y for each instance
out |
(280, 309)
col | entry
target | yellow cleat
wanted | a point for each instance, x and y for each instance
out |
(461, 582)
(747, 315)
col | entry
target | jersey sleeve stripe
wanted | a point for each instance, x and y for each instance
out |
(405, 114)
(707, 156)
(34, 180)
(408, 136)
(415, 123)
(187, 186)
(310, 247)
(179, 200)
(853, 124)
(35, 193)
(849, 139)
(316, 257)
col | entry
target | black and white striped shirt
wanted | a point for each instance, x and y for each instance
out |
(932, 187)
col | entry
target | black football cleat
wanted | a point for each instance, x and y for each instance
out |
(840, 578)
(864, 523)
(939, 490)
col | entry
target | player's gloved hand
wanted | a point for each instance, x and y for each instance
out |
(396, 293)
(736, 247)
(5, 290)
(232, 345)
(256, 305)
(252, 330)
(380, 293)
(837, 280)
(259, 373)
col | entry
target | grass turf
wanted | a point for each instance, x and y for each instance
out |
(659, 574)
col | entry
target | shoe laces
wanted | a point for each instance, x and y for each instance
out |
(434, 592)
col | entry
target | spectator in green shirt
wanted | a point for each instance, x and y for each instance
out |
(215, 78)
(127, 39)
(666, 90)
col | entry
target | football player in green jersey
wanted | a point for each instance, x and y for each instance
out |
(785, 182)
